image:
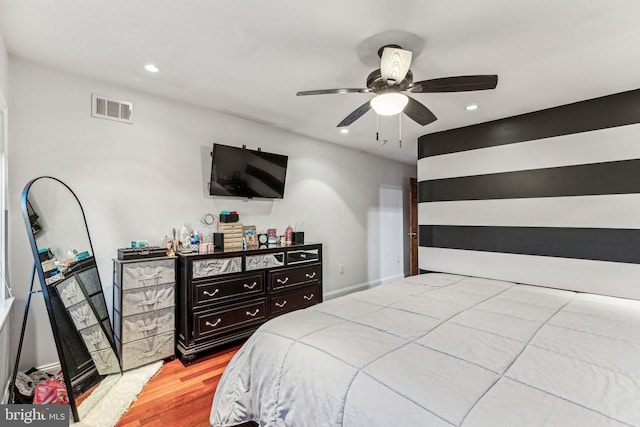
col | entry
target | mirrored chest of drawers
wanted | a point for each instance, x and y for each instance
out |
(226, 296)
(144, 295)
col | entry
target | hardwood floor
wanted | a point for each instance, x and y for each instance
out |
(179, 395)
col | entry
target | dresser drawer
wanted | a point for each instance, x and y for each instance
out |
(106, 361)
(229, 288)
(82, 315)
(295, 276)
(216, 267)
(257, 262)
(235, 228)
(213, 322)
(145, 325)
(146, 273)
(69, 291)
(144, 300)
(146, 350)
(293, 300)
(94, 338)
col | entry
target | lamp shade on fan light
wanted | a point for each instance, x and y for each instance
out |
(389, 104)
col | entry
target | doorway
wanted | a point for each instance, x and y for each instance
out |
(413, 226)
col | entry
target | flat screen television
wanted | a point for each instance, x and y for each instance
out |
(240, 172)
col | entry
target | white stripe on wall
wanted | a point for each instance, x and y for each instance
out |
(610, 278)
(602, 211)
(618, 143)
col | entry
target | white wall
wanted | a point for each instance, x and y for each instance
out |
(139, 181)
(6, 355)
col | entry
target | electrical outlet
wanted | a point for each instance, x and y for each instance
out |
(341, 269)
(398, 259)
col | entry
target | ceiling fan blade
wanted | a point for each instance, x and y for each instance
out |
(419, 113)
(456, 84)
(394, 64)
(355, 115)
(330, 91)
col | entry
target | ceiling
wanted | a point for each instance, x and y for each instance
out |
(249, 58)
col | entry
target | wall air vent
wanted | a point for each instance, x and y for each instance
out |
(110, 109)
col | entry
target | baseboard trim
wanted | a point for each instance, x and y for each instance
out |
(51, 368)
(360, 287)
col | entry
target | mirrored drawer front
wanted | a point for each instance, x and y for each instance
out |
(148, 273)
(256, 262)
(144, 300)
(82, 315)
(217, 321)
(106, 361)
(295, 276)
(147, 350)
(147, 324)
(94, 338)
(221, 289)
(216, 267)
(301, 257)
(69, 291)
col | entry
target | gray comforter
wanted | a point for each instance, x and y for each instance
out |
(441, 350)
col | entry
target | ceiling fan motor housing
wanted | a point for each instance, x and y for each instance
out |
(376, 83)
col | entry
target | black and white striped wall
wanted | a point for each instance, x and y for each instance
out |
(550, 198)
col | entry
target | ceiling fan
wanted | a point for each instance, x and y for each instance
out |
(394, 77)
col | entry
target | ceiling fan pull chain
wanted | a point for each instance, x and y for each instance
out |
(400, 129)
(377, 129)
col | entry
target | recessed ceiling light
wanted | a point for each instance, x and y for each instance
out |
(151, 68)
(471, 107)
(344, 130)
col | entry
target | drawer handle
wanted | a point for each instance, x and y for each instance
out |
(251, 286)
(213, 325)
(150, 302)
(210, 294)
(148, 328)
(308, 298)
(281, 305)
(254, 314)
(311, 276)
(282, 282)
(150, 352)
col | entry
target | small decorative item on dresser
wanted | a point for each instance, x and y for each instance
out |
(233, 235)
(226, 216)
(298, 238)
(250, 236)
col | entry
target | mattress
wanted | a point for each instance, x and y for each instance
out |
(441, 350)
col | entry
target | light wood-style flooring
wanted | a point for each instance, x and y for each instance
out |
(179, 395)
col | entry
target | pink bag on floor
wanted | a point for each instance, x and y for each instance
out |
(52, 391)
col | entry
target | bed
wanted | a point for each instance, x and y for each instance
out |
(441, 350)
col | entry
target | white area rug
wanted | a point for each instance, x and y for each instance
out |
(112, 398)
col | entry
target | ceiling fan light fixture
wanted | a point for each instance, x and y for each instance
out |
(389, 104)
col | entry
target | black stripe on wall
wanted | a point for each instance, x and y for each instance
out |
(599, 113)
(600, 244)
(620, 177)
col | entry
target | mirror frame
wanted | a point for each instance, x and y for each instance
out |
(91, 377)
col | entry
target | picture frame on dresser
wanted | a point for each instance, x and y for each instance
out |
(225, 296)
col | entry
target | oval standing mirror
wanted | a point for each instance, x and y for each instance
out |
(66, 266)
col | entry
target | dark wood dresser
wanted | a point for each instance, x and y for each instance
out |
(226, 296)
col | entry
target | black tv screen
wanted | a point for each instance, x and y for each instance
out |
(240, 172)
